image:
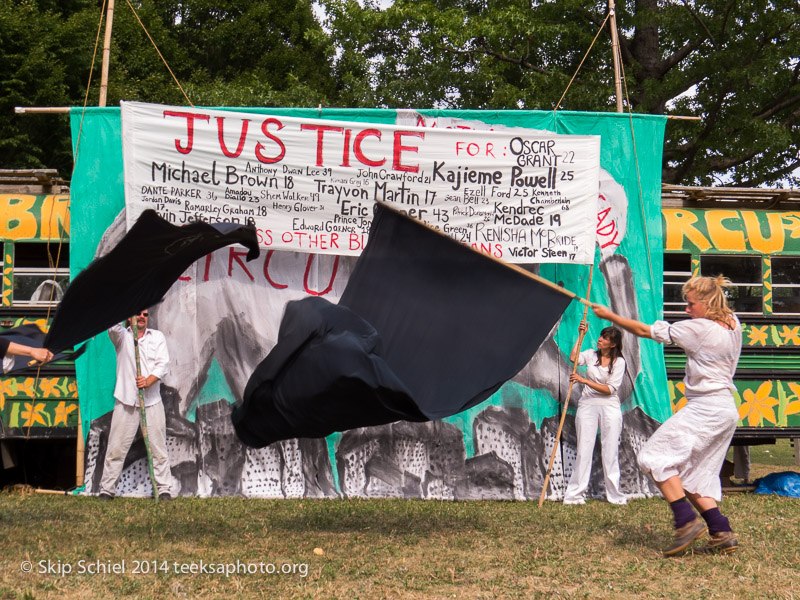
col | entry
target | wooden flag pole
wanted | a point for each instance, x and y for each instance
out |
(106, 55)
(569, 393)
(143, 411)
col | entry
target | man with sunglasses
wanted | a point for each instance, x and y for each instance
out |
(153, 360)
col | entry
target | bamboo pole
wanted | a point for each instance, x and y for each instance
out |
(512, 266)
(615, 51)
(142, 409)
(32, 110)
(620, 108)
(569, 393)
(79, 451)
(106, 54)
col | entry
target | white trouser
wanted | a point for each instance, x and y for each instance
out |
(124, 425)
(587, 421)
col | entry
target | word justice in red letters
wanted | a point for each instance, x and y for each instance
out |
(269, 150)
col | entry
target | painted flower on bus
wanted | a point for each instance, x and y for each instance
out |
(62, 411)
(757, 406)
(25, 387)
(32, 414)
(7, 388)
(49, 387)
(790, 335)
(757, 335)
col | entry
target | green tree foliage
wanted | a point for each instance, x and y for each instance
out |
(34, 71)
(223, 53)
(735, 63)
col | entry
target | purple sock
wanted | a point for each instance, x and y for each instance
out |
(683, 512)
(716, 521)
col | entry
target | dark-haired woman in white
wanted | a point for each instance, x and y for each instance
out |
(598, 407)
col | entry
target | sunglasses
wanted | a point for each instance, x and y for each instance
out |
(143, 314)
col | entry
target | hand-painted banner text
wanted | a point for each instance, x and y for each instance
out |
(310, 185)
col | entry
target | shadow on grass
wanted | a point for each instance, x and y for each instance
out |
(228, 519)
(634, 537)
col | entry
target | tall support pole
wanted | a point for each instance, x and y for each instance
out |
(106, 54)
(615, 52)
(143, 411)
(80, 447)
(79, 451)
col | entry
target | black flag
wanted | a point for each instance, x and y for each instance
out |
(425, 328)
(137, 273)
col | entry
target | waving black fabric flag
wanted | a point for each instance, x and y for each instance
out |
(29, 335)
(324, 375)
(425, 328)
(137, 273)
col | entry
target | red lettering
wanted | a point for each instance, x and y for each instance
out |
(346, 149)
(208, 266)
(242, 138)
(330, 283)
(399, 149)
(235, 255)
(264, 236)
(601, 216)
(320, 129)
(356, 241)
(360, 154)
(190, 117)
(279, 286)
(607, 229)
(613, 241)
(260, 147)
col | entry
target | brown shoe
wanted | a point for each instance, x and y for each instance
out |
(684, 536)
(722, 542)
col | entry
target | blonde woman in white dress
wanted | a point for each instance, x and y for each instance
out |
(685, 455)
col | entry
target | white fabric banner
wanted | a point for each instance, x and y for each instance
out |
(309, 185)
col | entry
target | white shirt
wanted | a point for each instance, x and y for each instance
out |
(712, 352)
(153, 360)
(599, 374)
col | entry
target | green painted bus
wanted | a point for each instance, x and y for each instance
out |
(753, 238)
(39, 410)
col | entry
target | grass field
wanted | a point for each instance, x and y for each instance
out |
(135, 548)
